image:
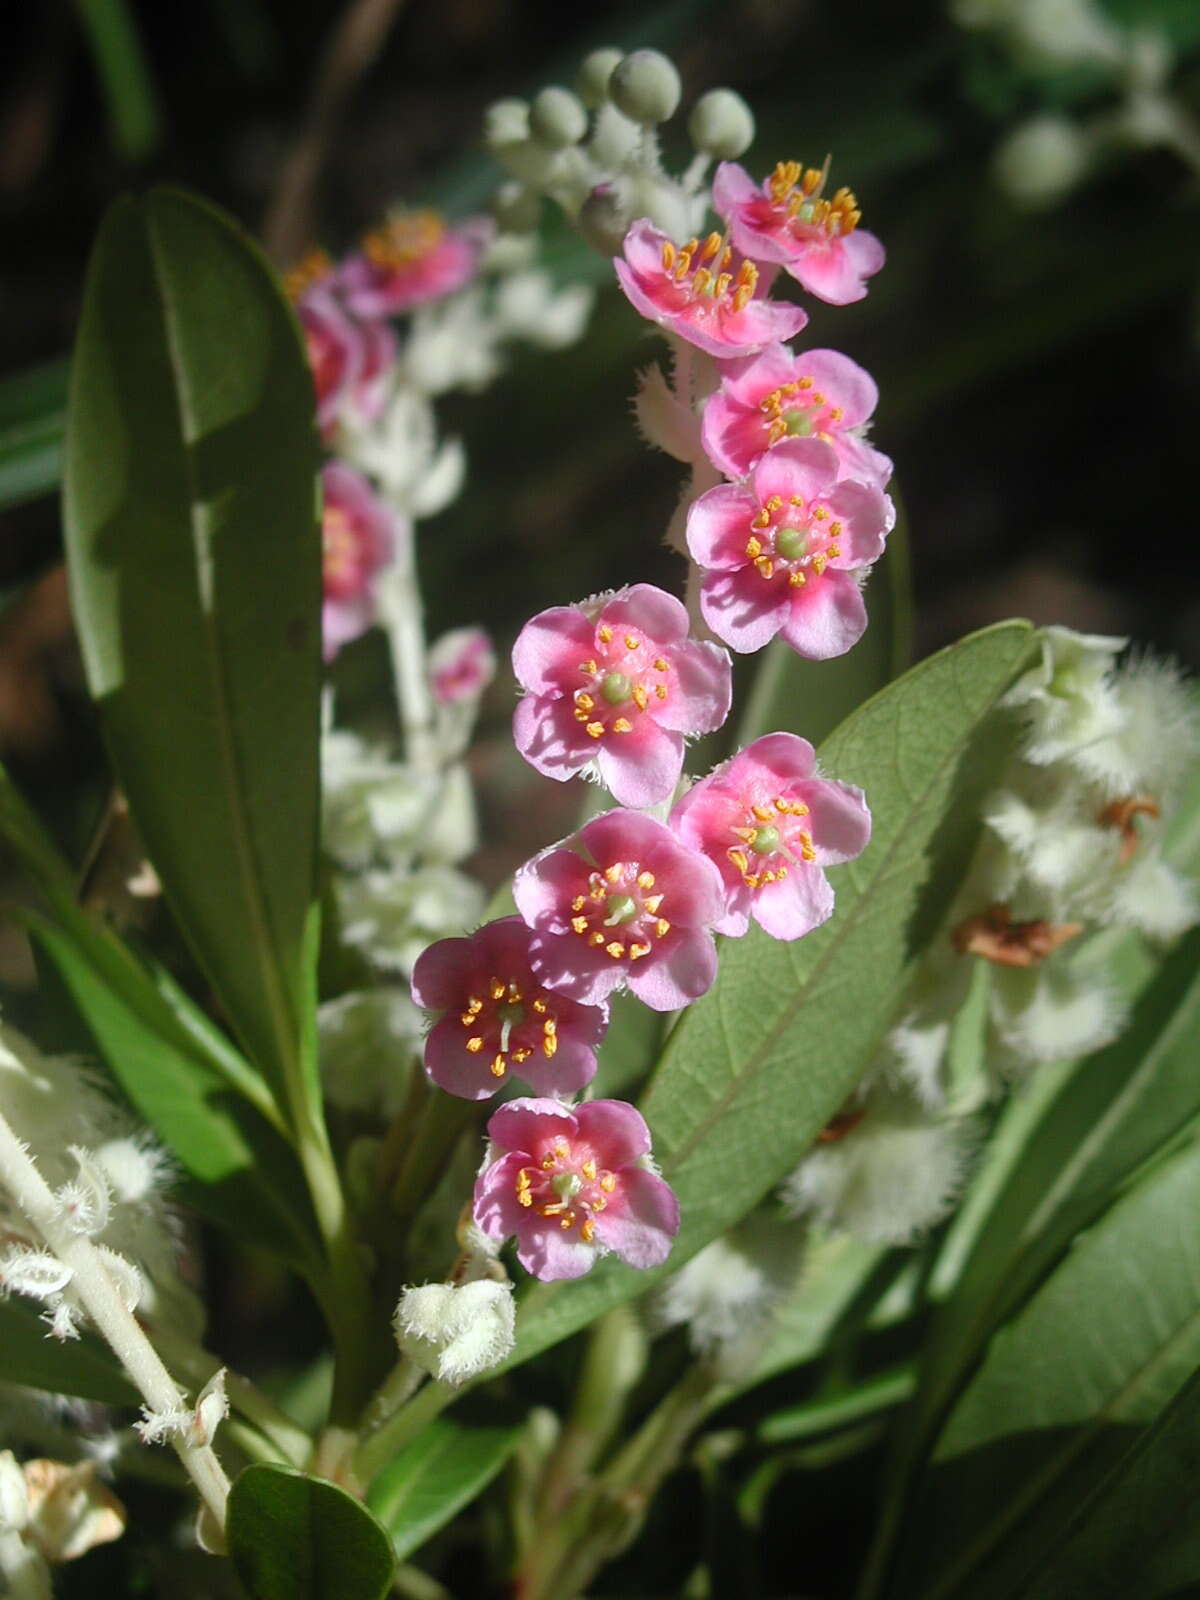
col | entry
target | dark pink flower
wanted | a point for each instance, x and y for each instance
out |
(572, 1184)
(500, 1019)
(771, 826)
(700, 292)
(335, 351)
(412, 259)
(622, 902)
(776, 395)
(358, 535)
(373, 381)
(618, 683)
(788, 221)
(461, 665)
(781, 550)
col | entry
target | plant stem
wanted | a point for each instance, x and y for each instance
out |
(378, 1448)
(288, 1440)
(92, 1282)
(402, 614)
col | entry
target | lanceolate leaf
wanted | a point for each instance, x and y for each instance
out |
(195, 574)
(293, 1537)
(435, 1476)
(753, 1071)
(1093, 1357)
(81, 1367)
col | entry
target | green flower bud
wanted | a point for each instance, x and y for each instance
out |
(597, 69)
(646, 87)
(721, 124)
(505, 122)
(557, 118)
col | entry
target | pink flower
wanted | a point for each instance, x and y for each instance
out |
(697, 292)
(373, 381)
(781, 550)
(461, 665)
(776, 395)
(787, 221)
(412, 259)
(617, 683)
(771, 826)
(358, 534)
(335, 351)
(623, 902)
(573, 1184)
(499, 1017)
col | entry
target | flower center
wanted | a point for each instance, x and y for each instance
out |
(492, 1019)
(799, 190)
(620, 899)
(771, 830)
(622, 678)
(341, 556)
(794, 411)
(702, 269)
(566, 1185)
(776, 545)
(403, 240)
(310, 269)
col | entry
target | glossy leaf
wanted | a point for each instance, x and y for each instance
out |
(194, 559)
(1093, 1357)
(124, 75)
(32, 415)
(293, 1537)
(81, 1367)
(754, 1070)
(442, 1470)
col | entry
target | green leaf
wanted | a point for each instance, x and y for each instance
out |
(811, 698)
(124, 75)
(442, 1470)
(630, 1047)
(194, 557)
(32, 414)
(82, 1367)
(755, 1069)
(1093, 1357)
(1138, 1534)
(293, 1537)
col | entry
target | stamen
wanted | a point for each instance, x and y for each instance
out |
(645, 880)
(475, 1044)
(498, 1066)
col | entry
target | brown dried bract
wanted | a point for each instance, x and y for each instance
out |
(839, 1126)
(1121, 814)
(995, 937)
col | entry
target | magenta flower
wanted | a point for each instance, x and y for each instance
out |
(461, 665)
(358, 534)
(776, 395)
(622, 902)
(499, 1018)
(335, 351)
(781, 551)
(697, 291)
(787, 221)
(373, 381)
(573, 1184)
(616, 684)
(412, 259)
(771, 826)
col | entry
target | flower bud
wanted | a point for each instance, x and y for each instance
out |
(454, 1331)
(505, 122)
(721, 124)
(1041, 161)
(604, 219)
(593, 76)
(557, 118)
(646, 87)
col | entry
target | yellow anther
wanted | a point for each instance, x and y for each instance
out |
(837, 414)
(580, 714)
(702, 280)
(637, 951)
(711, 245)
(550, 1025)
(798, 501)
(584, 701)
(834, 550)
(580, 924)
(524, 1197)
(475, 1045)
(804, 383)
(608, 1182)
(739, 858)
(622, 725)
(632, 642)
(523, 1054)
(474, 1004)
(576, 905)
(819, 561)
(553, 1208)
(587, 1230)
(821, 513)
(596, 939)
(818, 398)
(781, 873)
(741, 296)
(662, 927)
(761, 519)
(498, 1066)
(798, 808)
(774, 503)
(668, 255)
(604, 634)
(645, 880)
(753, 547)
(496, 989)
(835, 530)
(599, 1203)
(763, 813)
(548, 1160)
(640, 698)
(806, 847)
(549, 1045)
(652, 903)
(539, 1005)
(797, 579)
(597, 892)
(616, 950)
(768, 876)
(595, 729)
(523, 1178)
(748, 834)
(661, 664)
(692, 246)
(613, 872)
(724, 279)
(766, 567)
(589, 667)
(468, 1019)
(751, 880)
(660, 690)
(682, 264)
(568, 1221)
(588, 1169)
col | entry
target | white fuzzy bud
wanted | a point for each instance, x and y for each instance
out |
(594, 73)
(14, 1502)
(1066, 699)
(726, 1292)
(458, 1331)
(1150, 895)
(368, 1038)
(1156, 737)
(721, 124)
(1041, 161)
(84, 1205)
(505, 122)
(1044, 1014)
(136, 1169)
(557, 118)
(645, 86)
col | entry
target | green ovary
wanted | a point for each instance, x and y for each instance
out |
(791, 544)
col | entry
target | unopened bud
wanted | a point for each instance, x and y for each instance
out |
(456, 1331)
(604, 220)
(593, 76)
(1041, 161)
(557, 118)
(646, 87)
(505, 122)
(721, 124)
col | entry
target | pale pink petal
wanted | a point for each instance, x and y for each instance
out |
(702, 690)
(843, 381)
(838, 820)
(544, 886)
(649, 610)
(496, 1210)
(453, 1067)
(550, 737)
(566, 1072)
(778, 756)
(744, 610)
(758, 323)
(732, 186)
(826, 618)
(567, 965)
(863, 510)
(640, 1226)
(641, 767)
(807, 467)
(795, 906)
(616, 1132)
(551, 1255)
(530, 1125)
(733, 436)
(549, 648)
(718, 525)
(622, 836)
(445, 972)
(683, 970)
(748, 379)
